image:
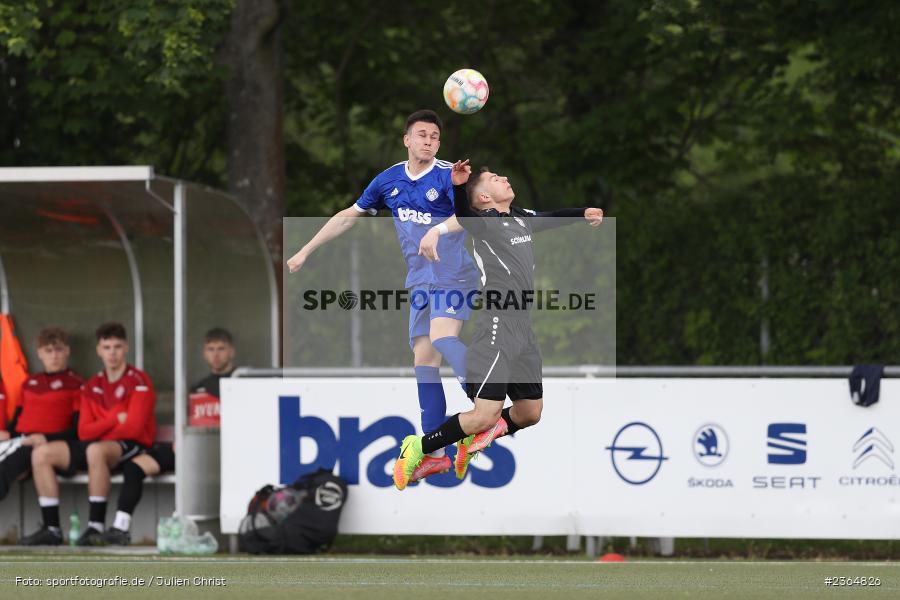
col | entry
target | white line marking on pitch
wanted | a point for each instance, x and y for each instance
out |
(443, 561)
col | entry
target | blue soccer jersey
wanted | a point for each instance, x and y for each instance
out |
(418, 203)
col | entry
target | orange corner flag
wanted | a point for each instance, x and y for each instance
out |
(13, 366)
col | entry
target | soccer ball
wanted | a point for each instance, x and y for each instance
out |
(283, 502)
(466, 91)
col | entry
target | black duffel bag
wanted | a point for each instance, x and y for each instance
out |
(301, 518)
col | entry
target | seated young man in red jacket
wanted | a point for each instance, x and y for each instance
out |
(218, 352)
(117, 423)
(49, 408)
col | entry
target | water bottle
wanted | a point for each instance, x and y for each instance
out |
(74, 528)
(208, 544)
(179, 535)
(163, 536)
(204, 544)
(176, 537)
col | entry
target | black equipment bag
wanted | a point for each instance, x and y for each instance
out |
(301, 518)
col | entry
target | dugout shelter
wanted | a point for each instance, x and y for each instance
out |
(168, 258)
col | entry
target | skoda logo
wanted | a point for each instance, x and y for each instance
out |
(710, 445)
(637, 453)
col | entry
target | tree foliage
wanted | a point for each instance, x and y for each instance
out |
(113, 82)
(748, 150)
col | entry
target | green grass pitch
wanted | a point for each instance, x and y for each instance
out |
(377, 578)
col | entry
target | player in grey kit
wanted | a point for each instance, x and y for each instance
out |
(503, 358)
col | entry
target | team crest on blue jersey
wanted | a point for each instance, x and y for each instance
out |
(432, 195)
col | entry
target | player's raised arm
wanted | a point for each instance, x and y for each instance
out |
(336, 225)
(467, 217)
(594, 217)
(429, 242)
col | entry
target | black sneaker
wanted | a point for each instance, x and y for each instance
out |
(44, 536)
(91, 537)
(117, 537)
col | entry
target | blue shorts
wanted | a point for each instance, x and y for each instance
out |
(428, 302)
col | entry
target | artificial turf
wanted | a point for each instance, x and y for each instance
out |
(433, 577)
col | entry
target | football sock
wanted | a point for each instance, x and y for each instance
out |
(432, 401)
(49, 511)
(123, 521)
(97, 512)
(510, 424)
(448, 433)
(455, 352)
(132, 488)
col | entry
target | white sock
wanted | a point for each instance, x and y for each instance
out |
(123, 521)
(47, 501)
(437, 453)
(98, 526)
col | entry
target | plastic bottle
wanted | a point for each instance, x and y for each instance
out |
(163, 536)
(204, 544)
(74, 528)
(179, 535)
(176, 537)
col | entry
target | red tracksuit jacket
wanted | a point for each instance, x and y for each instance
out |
(49, 402)
(102, 401)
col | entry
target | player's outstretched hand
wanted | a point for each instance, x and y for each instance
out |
(461, 172)
(594, 216)
(428, 245)
(296, 261)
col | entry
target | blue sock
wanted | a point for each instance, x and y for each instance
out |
(455, 352)
(431, 398)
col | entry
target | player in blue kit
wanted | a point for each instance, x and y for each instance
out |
(419, 194)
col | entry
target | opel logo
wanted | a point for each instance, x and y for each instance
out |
(637, 453)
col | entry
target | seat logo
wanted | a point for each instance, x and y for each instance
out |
(787, 443)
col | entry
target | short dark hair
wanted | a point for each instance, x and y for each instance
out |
(218, 334)
(112, 330)
(472, 183)
(425, 116)
(52, 336)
